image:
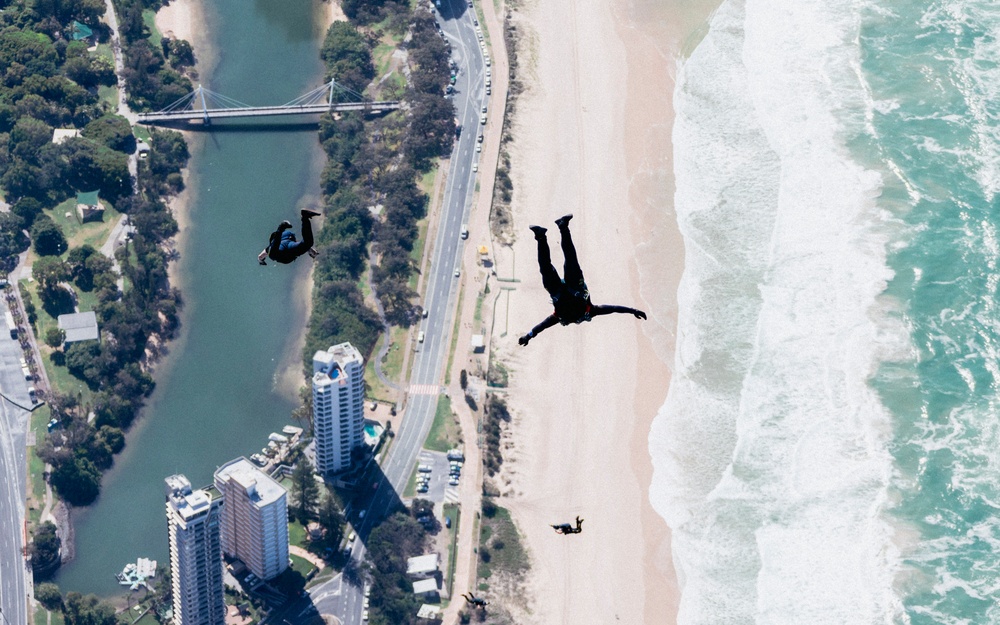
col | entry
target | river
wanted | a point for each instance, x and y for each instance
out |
(218, 393)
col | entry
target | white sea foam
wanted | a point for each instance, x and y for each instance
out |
(769, 453)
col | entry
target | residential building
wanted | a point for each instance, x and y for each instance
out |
(338, 406)
(193, 522)
(79, 326)
(254, 519)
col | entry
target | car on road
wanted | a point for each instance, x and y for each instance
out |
(482, 119)
(425, 313)
(488, 91)
(475, 167)
(422, 488)
(484, 108)
(465, 231)
(420, 337)
(470, 4)
(424, 468)
(458, 272)
(350, 539)
(479, 148)
(364, 615)
(480, 138)
(453, 481)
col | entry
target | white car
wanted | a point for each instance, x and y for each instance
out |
(364, 615)
(458, 272)
(482, 119)
(475, 167)
(479, 147)
(453, 481)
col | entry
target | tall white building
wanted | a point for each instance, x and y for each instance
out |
(338, 406)
(193, 520)
(254, 519)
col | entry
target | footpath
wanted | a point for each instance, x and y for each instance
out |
(473, 280)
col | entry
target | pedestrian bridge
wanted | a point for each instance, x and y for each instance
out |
(204, 105)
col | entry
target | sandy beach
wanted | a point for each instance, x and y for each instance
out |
(592, 138)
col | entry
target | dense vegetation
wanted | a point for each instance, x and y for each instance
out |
(495, 414)
(392, 600)
(48, 81)
(369, 181)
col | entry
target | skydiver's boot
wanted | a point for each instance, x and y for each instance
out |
(309, 214)
(563, 222)
(539, 232)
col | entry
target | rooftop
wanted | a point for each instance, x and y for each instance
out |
(259, 486)
(422, 565)
(425, 586)
(80, 326)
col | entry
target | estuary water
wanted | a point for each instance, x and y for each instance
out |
(829, 451)
(218, 393)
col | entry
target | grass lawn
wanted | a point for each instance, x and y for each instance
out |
(453, 511)
(94, 233)
(297, 534)
(142, 133)
(62, 380)
(36, 468)
(444, 434)
(108, 95)
(454, 339)
(411, 484)
(392, 367)
(57, 617)
(149, 19)
(418, 251)
(147, 619)
(301, 565)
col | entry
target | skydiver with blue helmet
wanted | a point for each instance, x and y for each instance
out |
(282, 247)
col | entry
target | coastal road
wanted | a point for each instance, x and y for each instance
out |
(13, 464)
(337, 597)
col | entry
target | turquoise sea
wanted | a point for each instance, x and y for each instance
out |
(829, 451)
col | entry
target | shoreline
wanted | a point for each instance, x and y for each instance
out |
(593, 137)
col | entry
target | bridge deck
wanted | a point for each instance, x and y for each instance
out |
(264, 111)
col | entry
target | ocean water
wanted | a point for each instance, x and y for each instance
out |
(829, 450)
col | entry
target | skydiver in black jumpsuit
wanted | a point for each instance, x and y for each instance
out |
(570, 296)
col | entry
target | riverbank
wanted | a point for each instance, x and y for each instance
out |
(592, 137)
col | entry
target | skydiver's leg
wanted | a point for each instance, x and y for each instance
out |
(550, 279)
(571, 269)
(302, 247)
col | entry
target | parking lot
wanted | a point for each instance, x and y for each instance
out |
(438, 489)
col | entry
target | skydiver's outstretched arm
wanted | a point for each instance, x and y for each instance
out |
(549, 321)
(596, 310)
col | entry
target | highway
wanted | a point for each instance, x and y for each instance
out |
(336, 597)
(13, 465)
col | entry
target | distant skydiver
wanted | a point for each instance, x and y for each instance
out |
(566, 528)
(282, 246)
(478, 602)
(570, 296)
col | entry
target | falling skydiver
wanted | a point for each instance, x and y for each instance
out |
(478, 602)
(570, 296)
(282, 246)
(567, 528)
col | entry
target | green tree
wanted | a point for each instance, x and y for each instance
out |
(49, 596)
(27, 208)
(77, 480)
(87, 610)
(305, 491)
(54, 337)
(112, 131)
(44, 549)
(47, 237)
(331, 518)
